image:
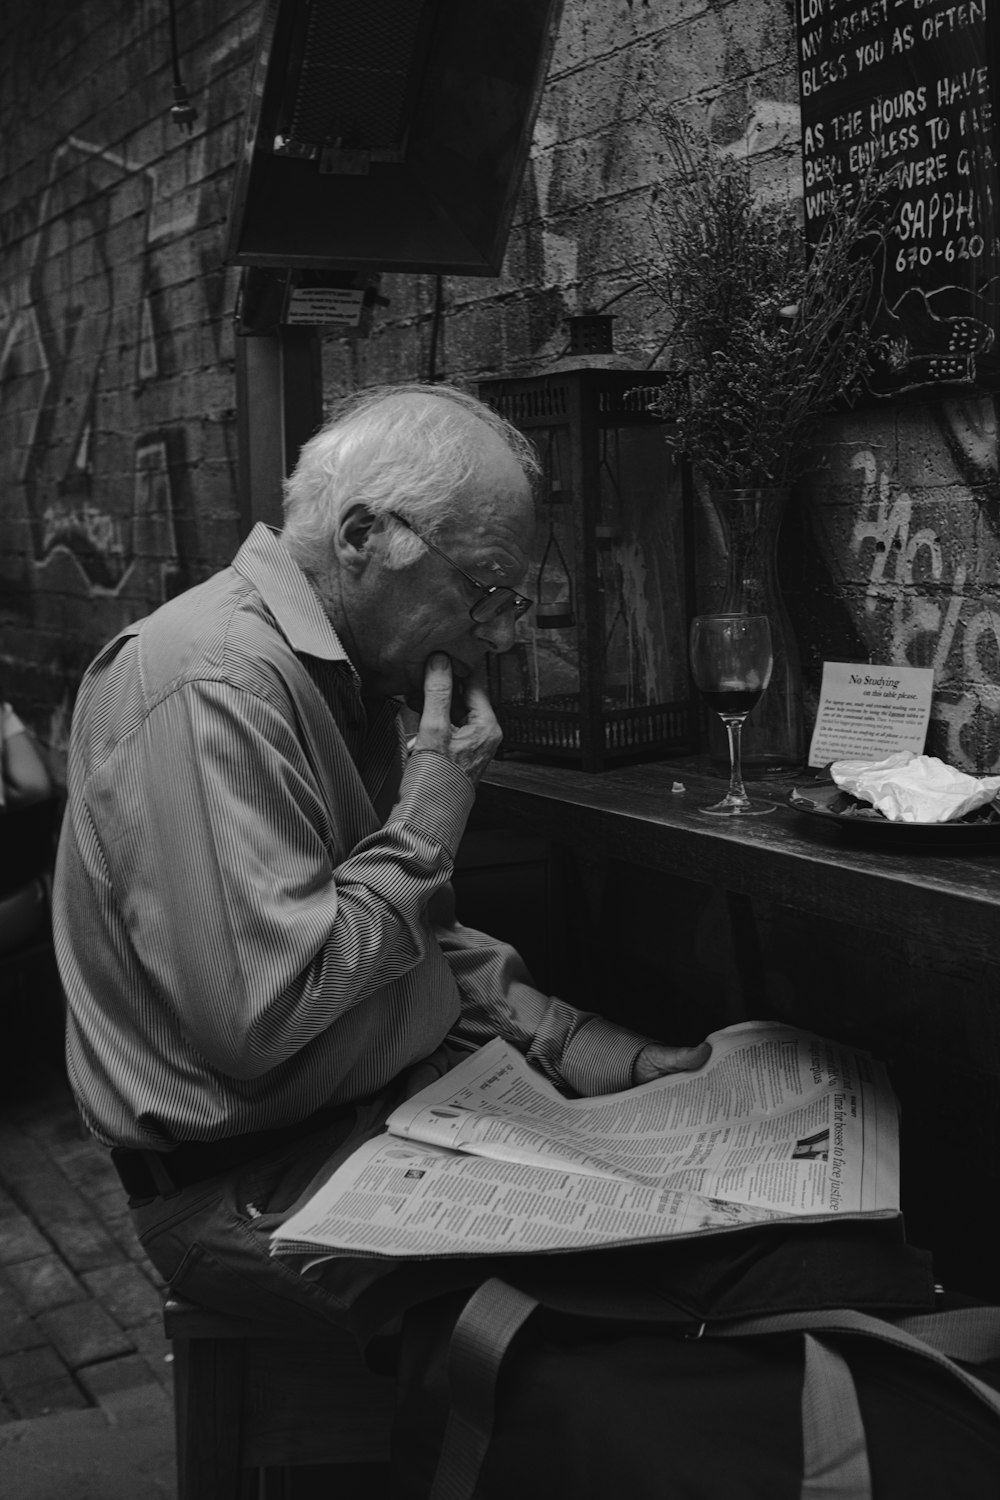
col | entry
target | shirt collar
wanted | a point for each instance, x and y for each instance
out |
(288, 594)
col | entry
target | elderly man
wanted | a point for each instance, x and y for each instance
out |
(254, 923)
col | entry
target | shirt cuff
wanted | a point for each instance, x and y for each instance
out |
(600, 1057)
(435, 799)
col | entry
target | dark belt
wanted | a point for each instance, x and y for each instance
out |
(160, 1174)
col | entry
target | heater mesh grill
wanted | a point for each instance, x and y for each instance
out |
(353, 83)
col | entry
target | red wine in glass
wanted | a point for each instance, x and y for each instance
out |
(733, 700)
(731, 661)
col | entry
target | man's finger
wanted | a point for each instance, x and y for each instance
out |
(687, 1059)
(438, 684)
(477, 699)
(655, 1060)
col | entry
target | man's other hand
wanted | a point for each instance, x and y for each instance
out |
(655, 1059)
(470, 744)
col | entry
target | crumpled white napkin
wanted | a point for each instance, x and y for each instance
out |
(908, 788)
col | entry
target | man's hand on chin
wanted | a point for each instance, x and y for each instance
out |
(656, 1059)
(472, 743)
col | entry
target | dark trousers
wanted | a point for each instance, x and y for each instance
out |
(210, 1241)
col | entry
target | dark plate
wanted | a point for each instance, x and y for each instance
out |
(860, 820)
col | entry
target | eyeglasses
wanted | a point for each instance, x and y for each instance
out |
(496, 597)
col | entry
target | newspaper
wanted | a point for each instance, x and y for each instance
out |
(491, 1159)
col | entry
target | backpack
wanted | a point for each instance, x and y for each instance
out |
(756, 1386)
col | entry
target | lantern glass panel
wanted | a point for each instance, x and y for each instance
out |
(641, 562)
(598, 672)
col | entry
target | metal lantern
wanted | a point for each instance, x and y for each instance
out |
(599, 671)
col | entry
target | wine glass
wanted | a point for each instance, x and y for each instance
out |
(731, 659)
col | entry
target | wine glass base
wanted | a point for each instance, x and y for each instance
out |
(732, 807)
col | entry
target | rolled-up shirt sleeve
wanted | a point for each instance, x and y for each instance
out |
(588, 1053)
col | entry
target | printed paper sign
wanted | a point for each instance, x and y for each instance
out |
(868, 712)
(326, 306)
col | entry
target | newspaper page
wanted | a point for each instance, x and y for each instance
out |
(492, 1159)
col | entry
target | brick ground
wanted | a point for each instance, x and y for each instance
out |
(86, 1409)
(80, 1319)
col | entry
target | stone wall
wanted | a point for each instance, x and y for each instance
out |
(117, 459)
(118, 437)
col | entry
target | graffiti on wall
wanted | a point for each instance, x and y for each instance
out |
(98, 326)
(86, 317)
(928, 553)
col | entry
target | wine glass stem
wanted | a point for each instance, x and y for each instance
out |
(734, 729)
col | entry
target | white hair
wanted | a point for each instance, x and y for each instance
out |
(415, 448)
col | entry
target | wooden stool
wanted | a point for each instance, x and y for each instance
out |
(248, 1399)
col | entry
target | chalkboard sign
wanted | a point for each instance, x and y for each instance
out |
(912, 83)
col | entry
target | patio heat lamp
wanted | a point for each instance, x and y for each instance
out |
(388, 137)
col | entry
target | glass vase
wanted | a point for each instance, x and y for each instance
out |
(773, 735)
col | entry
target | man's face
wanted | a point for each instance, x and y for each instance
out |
(395, 618)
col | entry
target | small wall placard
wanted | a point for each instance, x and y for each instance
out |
(868, 712)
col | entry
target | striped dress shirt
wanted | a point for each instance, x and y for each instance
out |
(251, 904)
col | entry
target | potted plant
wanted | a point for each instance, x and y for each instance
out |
(765, 337)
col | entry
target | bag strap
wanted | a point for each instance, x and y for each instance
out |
(834, 1447)
(835, 1456)
(479, 1341)
(969, 1333)
(939, 1337)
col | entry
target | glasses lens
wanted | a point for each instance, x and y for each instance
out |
(497, 602)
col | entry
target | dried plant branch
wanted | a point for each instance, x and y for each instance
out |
(764, 338)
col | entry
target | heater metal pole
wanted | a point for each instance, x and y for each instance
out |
(279, 404)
